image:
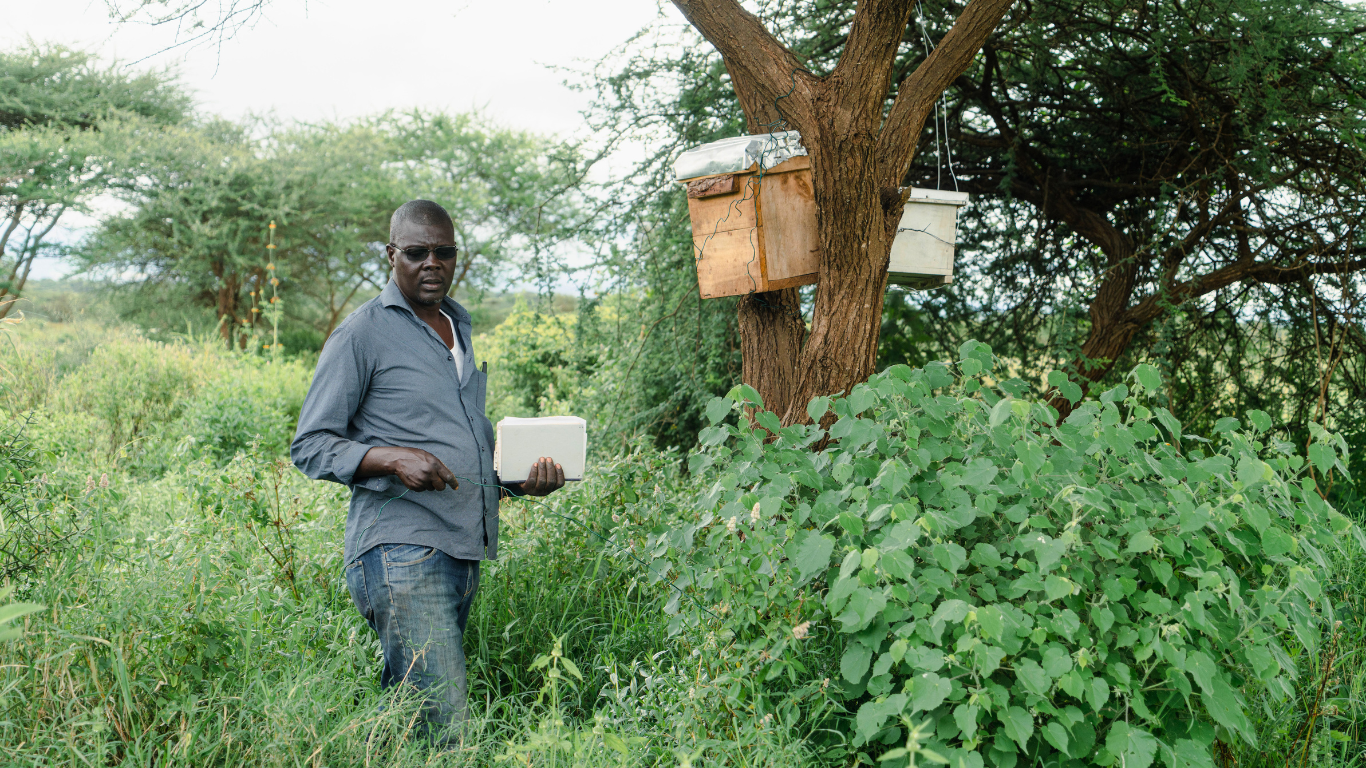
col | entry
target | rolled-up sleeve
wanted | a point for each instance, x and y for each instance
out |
(321, 448)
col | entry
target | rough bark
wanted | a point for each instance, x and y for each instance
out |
(858, 160)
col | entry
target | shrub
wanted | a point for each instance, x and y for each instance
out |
(251, 401)
(133, 386)
(1003, 589)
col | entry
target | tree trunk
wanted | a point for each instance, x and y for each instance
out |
(771, 335)
(855, 240)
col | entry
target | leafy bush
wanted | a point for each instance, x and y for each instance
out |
(1003, 589)
(251, 401)
(132, 386)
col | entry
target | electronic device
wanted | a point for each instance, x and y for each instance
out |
(521, 442)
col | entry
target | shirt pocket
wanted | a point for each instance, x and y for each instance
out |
(480, 385)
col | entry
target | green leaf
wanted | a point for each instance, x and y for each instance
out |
(614, 742)
(1252, 470)
(1222, 704)
(854, 663)
(14, 611)
(1103, 618)
(1132, 747)
(751, 395)
(1019, 726)
(927, 691)
(965, 716)
(717, 409)
(864, 606)
(1261, 420)
(1055, 587)
(1276, 542)
(991, 621)
(1202, 668)
(979, 474)
(1000, 412)
(950, 556)
(1035, 680)
(572, 668)
(1226, 424)
(1140, 542)
(817, 408)
(1098, 693)
(1031, 455)
(1056, 661)
(1323, 456)
(1166, 419)
(1256, 516)
(1150, 379)
(950, 612)
(872, 715)
(1054, 733)
(812, 555)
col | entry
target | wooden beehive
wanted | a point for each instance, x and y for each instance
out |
(754, 230)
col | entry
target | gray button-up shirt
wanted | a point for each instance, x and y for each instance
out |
(385, 378)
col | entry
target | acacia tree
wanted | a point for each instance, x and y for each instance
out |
(860, 152)
(57, 107)
(1156, 156)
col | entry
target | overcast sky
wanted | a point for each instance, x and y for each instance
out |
(323, 59)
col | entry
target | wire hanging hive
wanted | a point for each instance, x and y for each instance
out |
(753, 214)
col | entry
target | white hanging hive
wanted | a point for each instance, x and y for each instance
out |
(922, 253)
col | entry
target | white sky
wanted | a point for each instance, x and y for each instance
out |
(323, 59)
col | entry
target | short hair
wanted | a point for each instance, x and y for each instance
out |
(419, 212)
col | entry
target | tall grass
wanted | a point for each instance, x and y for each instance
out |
(170, 637)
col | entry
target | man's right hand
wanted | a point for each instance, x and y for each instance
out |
(417, 469)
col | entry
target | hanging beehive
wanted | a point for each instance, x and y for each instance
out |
(753, 216)
(922, 253)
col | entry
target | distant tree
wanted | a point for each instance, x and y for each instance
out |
(197, 215)
(203, 197)
(516, 196)
(57, 106)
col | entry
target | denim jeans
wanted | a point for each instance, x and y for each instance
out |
(417, 599)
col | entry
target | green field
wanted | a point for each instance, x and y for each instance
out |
(194, 611)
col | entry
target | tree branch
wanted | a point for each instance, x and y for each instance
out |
(918, 92)
(865, 68)
(762, 70)
(1259, 272)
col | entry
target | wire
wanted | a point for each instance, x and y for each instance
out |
(551, 511)
(380, 512)
(753, 183)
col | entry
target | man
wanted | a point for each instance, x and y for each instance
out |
(396, 412)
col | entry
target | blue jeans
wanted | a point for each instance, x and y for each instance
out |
(417, 599)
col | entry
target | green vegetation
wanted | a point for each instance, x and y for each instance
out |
(1007, 588)
(193, 610)
(195, 614)
(1048, 552)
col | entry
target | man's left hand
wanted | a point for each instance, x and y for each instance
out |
(545, 478)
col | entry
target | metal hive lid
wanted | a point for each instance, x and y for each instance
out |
(738, 154)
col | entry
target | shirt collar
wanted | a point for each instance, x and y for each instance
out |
(391, 296)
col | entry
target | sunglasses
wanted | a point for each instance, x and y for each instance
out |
(418, 253)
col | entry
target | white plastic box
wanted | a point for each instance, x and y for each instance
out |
(521, 442)
(922, 253)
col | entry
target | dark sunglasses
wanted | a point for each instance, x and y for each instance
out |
(418, 253)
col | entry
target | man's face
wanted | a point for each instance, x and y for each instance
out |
(424, 283)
